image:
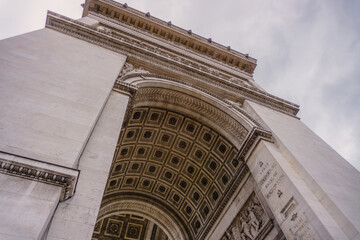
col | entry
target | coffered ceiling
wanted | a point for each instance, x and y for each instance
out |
(176, 162)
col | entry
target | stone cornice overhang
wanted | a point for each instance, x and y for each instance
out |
(186, 67)
(170, 49)
(40, 171)
(166, 30)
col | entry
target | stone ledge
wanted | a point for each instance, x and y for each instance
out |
(40, 171)
(122, 13)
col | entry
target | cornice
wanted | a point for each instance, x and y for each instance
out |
(136, 48)
(173, 50)
(36, 170)
(127, 87)
(256, 96)
(166, 30)
(254, 136)
(153, 55)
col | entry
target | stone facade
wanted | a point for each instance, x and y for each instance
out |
(122, 126)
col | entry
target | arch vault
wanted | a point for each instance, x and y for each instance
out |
(181, 150)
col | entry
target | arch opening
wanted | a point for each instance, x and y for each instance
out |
(147, 220)
(179, 151)
(125, 225)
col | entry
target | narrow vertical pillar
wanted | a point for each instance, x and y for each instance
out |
(76, 217)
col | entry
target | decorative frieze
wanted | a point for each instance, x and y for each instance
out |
(143, 51)
(18, 169)
(171, 33)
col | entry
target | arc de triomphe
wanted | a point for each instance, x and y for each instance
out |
(119, 125)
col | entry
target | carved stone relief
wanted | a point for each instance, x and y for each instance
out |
(130, 69)
(250, 223)
(239, 81)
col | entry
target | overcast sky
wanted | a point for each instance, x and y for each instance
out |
(308, 51)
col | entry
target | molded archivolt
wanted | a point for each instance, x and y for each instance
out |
(180, 150)
(150, 221)
(125, 226)
(188, 99)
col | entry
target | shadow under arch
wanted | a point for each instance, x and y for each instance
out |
(146, 210)
(209, 138)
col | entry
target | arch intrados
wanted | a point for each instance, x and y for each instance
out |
(146, 210)
(225, 106)
(194, 115)
(147, 88)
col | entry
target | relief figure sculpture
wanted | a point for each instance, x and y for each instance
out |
(248, 223)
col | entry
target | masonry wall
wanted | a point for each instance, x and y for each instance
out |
(312, 191)
(76, 217)
(245, 190)
(56, 107)
(26, 207)
(52, 90)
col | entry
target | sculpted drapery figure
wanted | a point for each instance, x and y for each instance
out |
(248, 223)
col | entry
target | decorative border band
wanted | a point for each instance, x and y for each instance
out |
(137, 49)
(67, 182)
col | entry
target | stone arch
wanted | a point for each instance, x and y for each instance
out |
(181, 149)
(157, 90)
(146, 210)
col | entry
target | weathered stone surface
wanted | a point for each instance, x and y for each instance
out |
(308, 166)
(52, 88)
(224, 228)
(76, 217)
(26, 207)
